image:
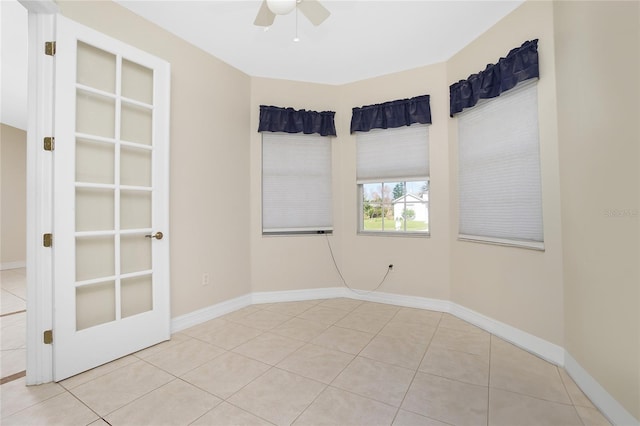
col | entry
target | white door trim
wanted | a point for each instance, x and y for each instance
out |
(39, 190)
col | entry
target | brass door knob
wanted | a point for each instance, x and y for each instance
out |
(158, 235)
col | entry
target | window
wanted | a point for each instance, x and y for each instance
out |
(296, 183)
(395, 206)
(499, 170)
(393, 180)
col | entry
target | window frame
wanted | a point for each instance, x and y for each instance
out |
(394, 232)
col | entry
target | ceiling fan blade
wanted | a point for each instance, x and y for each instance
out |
(314, 11)
(265, 16)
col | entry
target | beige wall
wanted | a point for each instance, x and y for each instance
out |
(304, 262)
(598, 54)
(13, 210)
(289, 262)
(209, 158)
(421, 265)
(520, 287)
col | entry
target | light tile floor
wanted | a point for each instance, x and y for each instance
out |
(324, 362)
(13, 319)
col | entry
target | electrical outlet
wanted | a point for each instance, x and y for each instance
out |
(205, 278)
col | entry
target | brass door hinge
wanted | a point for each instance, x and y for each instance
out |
(47, 240)
(48, 337)
(49, 143)
(50, 48)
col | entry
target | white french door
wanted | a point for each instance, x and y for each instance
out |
(111, 224)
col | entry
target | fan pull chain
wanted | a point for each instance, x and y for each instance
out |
(296, 39)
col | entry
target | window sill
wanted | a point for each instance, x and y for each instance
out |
(394, 234)
(530, 245)
(297, 233)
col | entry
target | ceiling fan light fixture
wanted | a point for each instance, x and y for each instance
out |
(281, 7)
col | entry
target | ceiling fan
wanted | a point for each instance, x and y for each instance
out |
(312, 9)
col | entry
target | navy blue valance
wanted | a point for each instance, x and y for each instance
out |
(520, 64)
(289, 120)
(391, 114)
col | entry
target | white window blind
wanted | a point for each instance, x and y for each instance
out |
(400, 154)
(296, 183)
(499, 168)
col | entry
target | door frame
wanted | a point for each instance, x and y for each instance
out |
(41, 28)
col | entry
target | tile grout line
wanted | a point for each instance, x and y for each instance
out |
(329, 384)
(17, 296)
(89, 408)
(271, 367)
(491, 337)
(414, 375)
(570, 404)
(146, 393)
(242, 409)
(564, 385)
(12, 313)
(61, 382)
(533, 396)
(341, 371)
(417, 371)
(130, 402)
(34, 404)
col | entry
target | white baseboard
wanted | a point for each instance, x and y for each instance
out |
(537, 346)
(185, 321)
(530, 343)
(298, 295)
(437, 305)
(602, 399)
(12, 265)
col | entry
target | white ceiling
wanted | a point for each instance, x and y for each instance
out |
(361, 38)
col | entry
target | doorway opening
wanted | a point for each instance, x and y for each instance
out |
(13, 149)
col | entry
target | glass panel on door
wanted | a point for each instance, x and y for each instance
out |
(135, 166)
(137, 82)
(136, 124)
(95, 114)
(94, 258)
(94, 209)
(135, 209)
(95, 161)
(136, 295)
(96, 68)
(95, 305)
(135, 253)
